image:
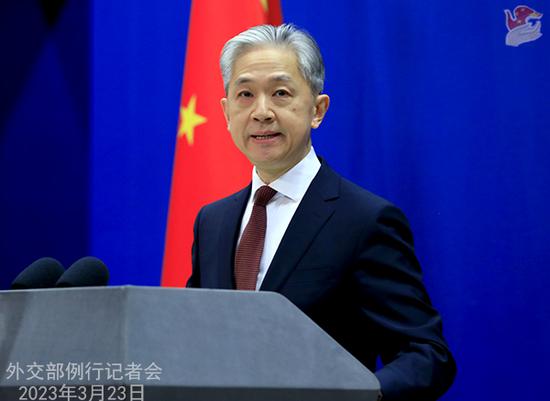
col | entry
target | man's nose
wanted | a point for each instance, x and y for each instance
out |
(262, 110)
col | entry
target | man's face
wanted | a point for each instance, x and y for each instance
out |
(270, 110)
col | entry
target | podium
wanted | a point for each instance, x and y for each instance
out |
(164, 344)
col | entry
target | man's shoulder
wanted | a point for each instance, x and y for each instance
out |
(355, 194)
(359, 206)
(230, 201)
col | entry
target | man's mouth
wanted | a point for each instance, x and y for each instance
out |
(265, 136)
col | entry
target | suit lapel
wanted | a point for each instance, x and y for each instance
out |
(314, 210)
(228, 235)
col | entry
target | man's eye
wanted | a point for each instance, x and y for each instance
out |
(244, 94)
(281, 93)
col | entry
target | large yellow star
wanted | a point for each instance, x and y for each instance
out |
(189, 119)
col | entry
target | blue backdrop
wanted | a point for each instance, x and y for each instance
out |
(430, 109)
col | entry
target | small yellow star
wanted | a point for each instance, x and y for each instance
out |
(189, 119)
(264, 5)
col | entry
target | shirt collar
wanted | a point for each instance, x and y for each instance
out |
(294, 183)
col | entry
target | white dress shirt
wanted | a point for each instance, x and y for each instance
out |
(291, 188)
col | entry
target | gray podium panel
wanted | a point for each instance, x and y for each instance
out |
(160, 344)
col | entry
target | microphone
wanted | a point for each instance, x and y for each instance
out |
(85, 272)
(42, 273)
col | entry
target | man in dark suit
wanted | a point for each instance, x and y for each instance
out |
(343, 255)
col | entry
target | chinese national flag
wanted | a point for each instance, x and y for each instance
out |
(207, 166)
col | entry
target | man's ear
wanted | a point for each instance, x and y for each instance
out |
(223, 102)
(321, 106)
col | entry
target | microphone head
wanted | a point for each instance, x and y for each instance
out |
(85, 272)
(42, 273)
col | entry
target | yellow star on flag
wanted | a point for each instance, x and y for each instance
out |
(264, 5)
(189, 119)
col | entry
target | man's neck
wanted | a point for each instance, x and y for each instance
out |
(268, 177)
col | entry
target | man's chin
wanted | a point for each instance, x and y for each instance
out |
(269, 170)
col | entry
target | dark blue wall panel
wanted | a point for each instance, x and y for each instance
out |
(44, 133)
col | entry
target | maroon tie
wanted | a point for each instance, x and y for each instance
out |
(249, 251)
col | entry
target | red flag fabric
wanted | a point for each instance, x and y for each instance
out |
(207, 166)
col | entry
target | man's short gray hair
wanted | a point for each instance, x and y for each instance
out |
(310, 61)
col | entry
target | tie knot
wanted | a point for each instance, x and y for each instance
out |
(264, 195)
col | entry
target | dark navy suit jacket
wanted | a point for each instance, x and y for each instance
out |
(346, 260)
